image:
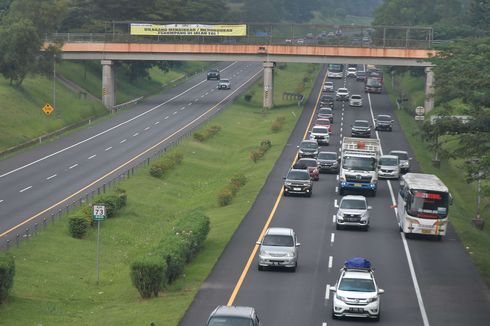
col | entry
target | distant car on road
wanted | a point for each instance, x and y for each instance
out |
(328, 86)
(278, 248)
(224, 84)
(404, 160)
(361, 128)
(342, 94)
(383, 122)
(353, 211)
(320, 134)
(298, 182)
(327, 101)
(355, 100)
(325, 123)
(328, 162)
(360, 75)
(233, 315)
(325, 113)
(309, 164)
(351, 72)
(213, 74)
(308, 148)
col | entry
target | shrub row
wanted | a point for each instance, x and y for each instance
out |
(208, 133)
(7, 273)
(278, 124)
(258, 153)
(152, 273)
(167, 163)
(226, 194)
(79, 222)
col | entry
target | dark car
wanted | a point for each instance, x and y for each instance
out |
(213, 74)
(233, 315)
(361, 75)
(361, 128)
(328, 162)
(298, 182)
(308, 148)
(327, 101)
(309, 164)
(325, 113)
(383, 122)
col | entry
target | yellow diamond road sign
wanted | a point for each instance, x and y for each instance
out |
(48, 109)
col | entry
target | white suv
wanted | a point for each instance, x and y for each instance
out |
(353, 211)
(328, 86)
(351, 72)
(342, 94)
(356, 292)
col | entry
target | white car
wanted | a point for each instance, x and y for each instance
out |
(353, 211)
(279, 248)
(342, 94)
(356, 292)
(404, 160)
(328, 86)
(320, 134)
(351, 72)
(355, 100)
(389, 167)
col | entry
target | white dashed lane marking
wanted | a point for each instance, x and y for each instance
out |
(174, 113)
(26, 188)
(182, 108)
(73, 166)
(108, 148)
(157, 122)
(51, 177)
(147, 128)
(137, 133)
(1, 201)
(91, 157)
(332, 238)
(330, 262)
(123, 141)
(333, 219)
(166, 117)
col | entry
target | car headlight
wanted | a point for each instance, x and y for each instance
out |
(315, 152)
(288, 183)
(290, 254)
(301, 151)
(373, 299)
(263, 252)
(341, 298)
(340, 214)
(364, 215)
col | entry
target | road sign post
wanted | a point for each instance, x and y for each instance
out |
(419, 113)
(99, 214)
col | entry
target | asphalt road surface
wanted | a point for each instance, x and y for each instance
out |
(41, 181)
(426, 282)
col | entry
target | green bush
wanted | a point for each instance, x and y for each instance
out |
(255, 155)
(173, 250)
(224, 197)
(122, 197)
(177, 157)
(193, 229)
(276, 126)
(148, 275)
(239, 179)
(198, 136)
(156, 170)
(7, 273)
(248, 97)
(78, 226)
(213, 130)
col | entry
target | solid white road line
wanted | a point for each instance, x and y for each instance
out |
(420, 301)
(26, 188)
(73, 166)
(108, 130)
(108, 148)
(123, 141)
(51, 177)
(91, 157)
(330, 262)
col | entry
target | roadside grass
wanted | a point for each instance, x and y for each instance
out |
(55, 282)
(20, 108)
(464, 194)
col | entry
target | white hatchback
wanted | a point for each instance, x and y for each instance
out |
(355, 100)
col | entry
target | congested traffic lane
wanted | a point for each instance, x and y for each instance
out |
(301, 298)
(49, 177)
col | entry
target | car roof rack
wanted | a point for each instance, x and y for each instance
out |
(358, 263)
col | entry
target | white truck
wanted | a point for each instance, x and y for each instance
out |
(358, 165)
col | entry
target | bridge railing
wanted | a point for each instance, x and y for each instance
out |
(276, 34)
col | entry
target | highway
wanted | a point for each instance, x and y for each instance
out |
(41, 181)
(426, 282)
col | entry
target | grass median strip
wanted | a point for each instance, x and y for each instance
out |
(55, 282)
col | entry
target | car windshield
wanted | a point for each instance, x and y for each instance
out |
(383, 118)
(278, 240)
(363, 124)
(327, 156)
(326, 98)
(309, 145)
(361, 73)
(307, 162)
(230, 321)
(325, 111)
(388, 161)
(401, 156)
(319, 130)
(356, 97)
(357, 285)
(224, 81)
(359, 163)
(342, 90)
(298, 175)
(328, 84)
(353, 204)
(213, 70)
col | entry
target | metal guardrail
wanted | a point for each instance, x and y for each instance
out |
(276, 34)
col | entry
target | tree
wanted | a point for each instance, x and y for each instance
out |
(479, 14)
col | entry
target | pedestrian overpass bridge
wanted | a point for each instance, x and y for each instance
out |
(110, 47)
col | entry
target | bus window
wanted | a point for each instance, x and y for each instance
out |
(425, 204)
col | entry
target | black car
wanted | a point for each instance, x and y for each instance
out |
(328, 162)
(361, 128)
(327, 100)
(383, 122)
(213, 74)
(298, 182)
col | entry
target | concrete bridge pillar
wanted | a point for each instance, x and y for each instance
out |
(108, 84)
(268, 84)
(429, 90)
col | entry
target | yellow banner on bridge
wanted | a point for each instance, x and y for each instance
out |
(188, 30)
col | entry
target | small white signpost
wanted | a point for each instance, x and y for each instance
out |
(99, 214)
(419, 111)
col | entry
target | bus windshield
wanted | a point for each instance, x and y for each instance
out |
(428, 204)
(335, 67)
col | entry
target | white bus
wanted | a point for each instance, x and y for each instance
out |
(335, 70)
(423, 204)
